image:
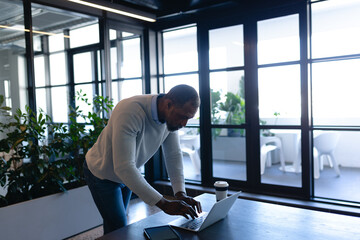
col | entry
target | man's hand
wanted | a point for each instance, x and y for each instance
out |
(177, 207)
(189, 200)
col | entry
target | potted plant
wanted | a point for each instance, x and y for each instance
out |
(42, 167)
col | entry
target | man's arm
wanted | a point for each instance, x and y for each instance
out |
(174, 167)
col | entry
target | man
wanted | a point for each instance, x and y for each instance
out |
(136, 129)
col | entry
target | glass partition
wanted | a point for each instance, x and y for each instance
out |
(13, 83)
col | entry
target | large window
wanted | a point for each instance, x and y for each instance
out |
(181, 67)
(126, 65)
(335, 100)
(51, 63)
(226, 60)
(279, 99)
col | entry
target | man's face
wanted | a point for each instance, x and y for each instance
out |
(178, 116)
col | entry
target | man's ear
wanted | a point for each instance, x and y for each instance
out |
(169, 104)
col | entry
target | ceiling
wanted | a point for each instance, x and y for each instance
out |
(168, 7)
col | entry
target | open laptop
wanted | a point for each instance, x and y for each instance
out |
(218, 211)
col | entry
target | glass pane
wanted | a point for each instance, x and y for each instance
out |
(88, 90)
(337, 165)
(83, 67)
(41, 102)
(131, 59)
(190, 148)
(229, 154)
(280, 157)
(56, 42)
(126, 89)
(12, 54)
(279, 95)
(51, 22)
(37, 44)
(226, 47)
(114, 63)
(278, 40)
(180, 50)
(84, 36)
(335, 93)
(112, 34)
(60, 105)
(191, 80)
(39, 66)
(58, 73)
(227, 97)
(335, 28)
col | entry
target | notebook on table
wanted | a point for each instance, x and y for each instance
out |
(218, 211)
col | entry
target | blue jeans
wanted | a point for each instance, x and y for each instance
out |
(111, 199)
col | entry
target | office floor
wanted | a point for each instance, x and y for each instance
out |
(137, 211)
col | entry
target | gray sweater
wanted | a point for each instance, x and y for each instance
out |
(129, 140)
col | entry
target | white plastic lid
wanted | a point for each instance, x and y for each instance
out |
(221, 184)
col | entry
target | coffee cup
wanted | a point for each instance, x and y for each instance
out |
(221, 190)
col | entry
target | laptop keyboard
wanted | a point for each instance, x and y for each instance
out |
(194, 223)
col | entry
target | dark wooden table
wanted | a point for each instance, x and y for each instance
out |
(256, 220)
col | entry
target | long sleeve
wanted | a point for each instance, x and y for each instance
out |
(174, 162)
(124, 155)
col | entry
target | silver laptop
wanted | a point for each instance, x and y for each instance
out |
(218, 211)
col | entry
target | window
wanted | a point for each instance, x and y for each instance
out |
(181, 67)
(227, 89)
(53, 88)
(334, 82)
(126, 65)
(279, 92)
(13, 82)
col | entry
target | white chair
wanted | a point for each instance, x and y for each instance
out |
(324, 147)
(190, 144)
(269, 144)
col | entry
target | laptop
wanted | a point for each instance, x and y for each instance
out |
(218, 211)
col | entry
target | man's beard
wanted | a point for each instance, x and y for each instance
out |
(172, 128)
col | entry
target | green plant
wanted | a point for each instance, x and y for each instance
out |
(54, 152)
(234, 107)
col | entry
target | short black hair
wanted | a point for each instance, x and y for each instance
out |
(181, 94)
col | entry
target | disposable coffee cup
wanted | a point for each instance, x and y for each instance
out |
(221, 190)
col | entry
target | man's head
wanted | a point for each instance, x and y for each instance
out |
(180, 104)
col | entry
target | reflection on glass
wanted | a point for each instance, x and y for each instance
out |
(229, 154)
(226, 47)
(190, 148)
(278, 40)
(337, 165)
(335, 28)
(280, 157)
(58, 73)
(60, 105)
(88, 90)
(12, 52)
(335, 89)
(84, 36)
(279, 95)
(126, 89)
(227, 97)
(180, 50)
(82, 67)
